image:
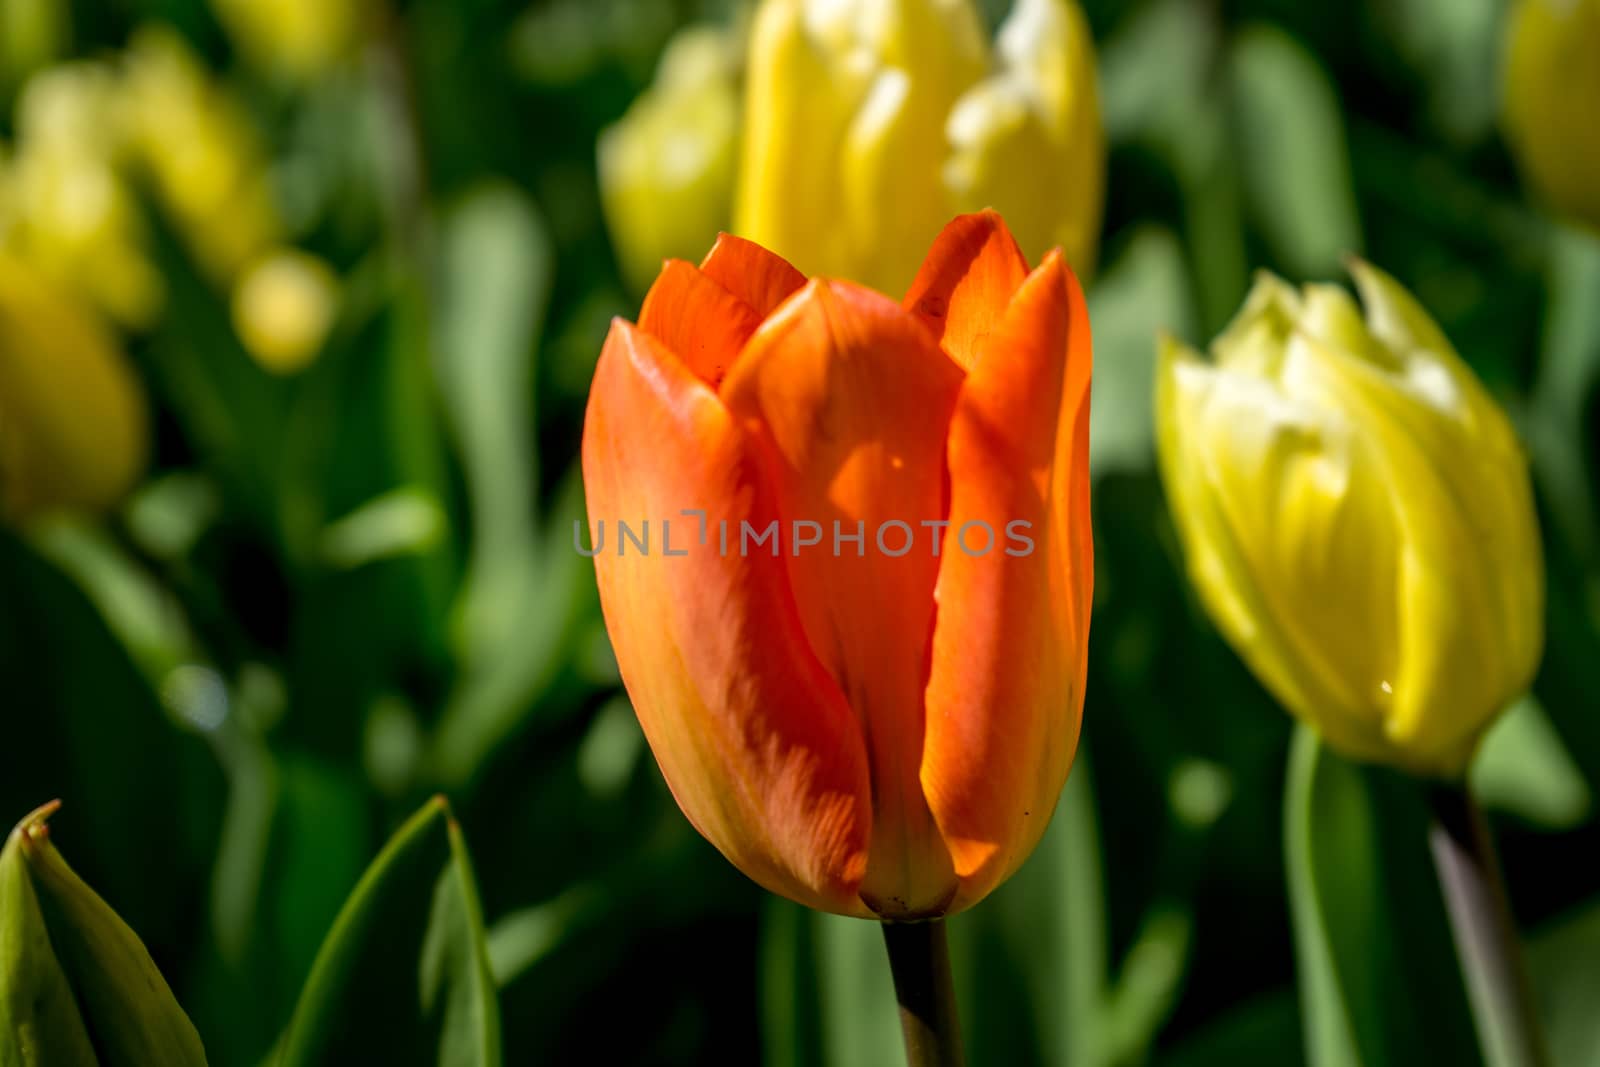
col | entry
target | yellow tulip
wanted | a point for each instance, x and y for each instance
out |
(198, 146)
(867, 126)
(297, 39)
(64, 207)
(1551, 94)
(72, 416)
(666, 167)
(1357, 518)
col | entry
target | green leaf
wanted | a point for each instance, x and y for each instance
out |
(405, 521)
(493, 282)
(1295, 163)
(1147, 990)
(39, 1020)
(1031, 959)
(1145, 290)
(495, 698)
(229, 408)
(526, 592)
(1523, 767)
(1564, 958)
(1569, 365)
(1379, 981)
(1152, 69)
(1454, 44)
(295, 834)
(145, 617)
(826, 992)
(860, 1019)
(125, 1003)
(83, 723)
(790, 1012)
(408, 949)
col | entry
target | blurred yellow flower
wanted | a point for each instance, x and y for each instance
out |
(201, 151)
(282, 309)
(72, 414)
(63, 204)
(867, 126)
(1357, 518)
(295, 38)
(1551, 97)
(667, 166)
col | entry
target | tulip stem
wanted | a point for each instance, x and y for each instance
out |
(919, 958)
(1485, 932)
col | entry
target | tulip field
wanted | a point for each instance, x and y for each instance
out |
(814, 533)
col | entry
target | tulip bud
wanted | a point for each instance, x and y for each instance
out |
(666, 167)
(297, 39)
(841, 741)
(72, 416)
(76, 984)
(283, 306)
(1551, 94)
(1357, 518)
(869, 125)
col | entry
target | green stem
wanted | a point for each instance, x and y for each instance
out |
(1485, 933)
(919, 958)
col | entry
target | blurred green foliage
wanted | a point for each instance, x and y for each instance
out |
(342, 592)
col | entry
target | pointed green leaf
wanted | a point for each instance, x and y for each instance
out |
(39, 1020)
(407, 948)
(124, 1001)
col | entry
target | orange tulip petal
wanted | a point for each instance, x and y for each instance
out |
(697, 319)
(1005, 693)
(760, 278)
(852, 399)
(966, 283)
(753, 736)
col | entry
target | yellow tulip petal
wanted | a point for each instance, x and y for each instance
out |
(666, 168)
(1551, 95)
(73, 426)
(845, 109)
(1028, 140)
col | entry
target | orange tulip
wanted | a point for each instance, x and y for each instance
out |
(872, 710)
